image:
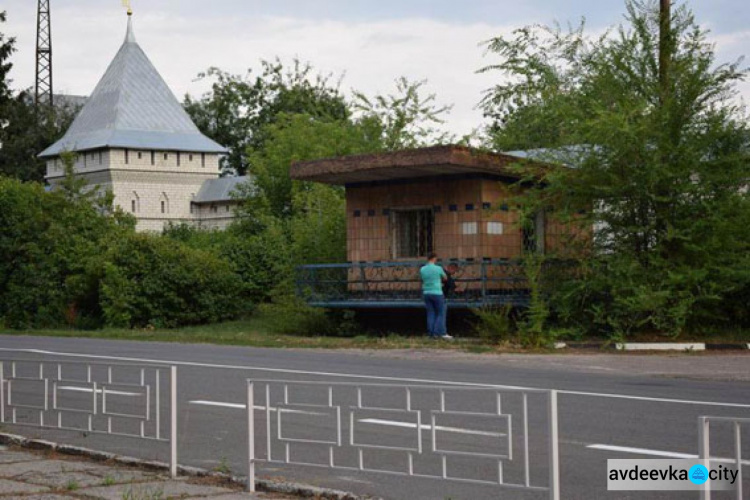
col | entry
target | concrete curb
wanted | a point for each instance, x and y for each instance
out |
(656, 346)
(288, 488)
(661, 346)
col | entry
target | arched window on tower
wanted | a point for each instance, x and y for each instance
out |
(164, 202)
(135, 203)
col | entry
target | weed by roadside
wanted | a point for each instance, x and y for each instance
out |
(223, 466)
(259, 331)
(494, 332)
(143, 493)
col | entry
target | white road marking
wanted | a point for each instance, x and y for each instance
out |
(658, 400)
(374, 377)
(411, 425)
(658, 453)
(221, 404)
(99, 391)
(242, 406)
(374, 421)
(640, 451)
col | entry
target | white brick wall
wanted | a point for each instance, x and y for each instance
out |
(133, 178)
(163, 161)
(90, 161)
(214, 215)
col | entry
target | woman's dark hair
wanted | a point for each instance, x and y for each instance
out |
(432, 255)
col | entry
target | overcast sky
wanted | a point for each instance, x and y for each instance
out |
(371, 42)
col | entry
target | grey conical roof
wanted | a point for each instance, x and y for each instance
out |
(132, 107)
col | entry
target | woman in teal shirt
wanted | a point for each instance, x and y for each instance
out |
(432, 288)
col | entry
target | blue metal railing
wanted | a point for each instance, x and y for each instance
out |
(397, 284)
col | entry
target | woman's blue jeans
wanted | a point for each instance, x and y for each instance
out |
(436, 310)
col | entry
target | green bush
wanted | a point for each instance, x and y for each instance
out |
(48, 241)
(533, 328)
(494, 324)
(613, 297)
(261, 260)
(148, 280)
(70, 259)
(291, 316)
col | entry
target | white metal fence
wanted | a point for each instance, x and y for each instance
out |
(335, 428)
(97, 398)
(704, 448)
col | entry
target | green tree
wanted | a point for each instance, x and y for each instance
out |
(24, 130)
(318, 225)
(7, 47)
(659, 174)
(384, 123)
(296, 138)
(238, 109)
(406, 119)
(27, 132)
(531, 106)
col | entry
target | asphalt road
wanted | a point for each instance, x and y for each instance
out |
(608, 408)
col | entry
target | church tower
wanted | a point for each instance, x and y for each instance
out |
(133, 137)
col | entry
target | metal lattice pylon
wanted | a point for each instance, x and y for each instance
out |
(43, 89)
